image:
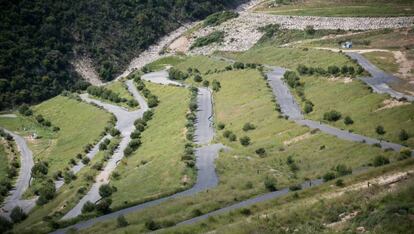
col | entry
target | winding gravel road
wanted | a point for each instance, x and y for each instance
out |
(23, 181)
(205, 156)
(290, 108)
(380, 81)
(160, 77)
(125, 124)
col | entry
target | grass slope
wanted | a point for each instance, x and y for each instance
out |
(289, 57)
(4, 162)
(383, 60)
(356, 100)
(243, 98)
(359, 8)
(79, 123)
(161, 150)
(202, 63)
(380, 209)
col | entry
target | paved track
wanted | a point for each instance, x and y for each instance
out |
(23, 181)
(380, 81)
(160, 77)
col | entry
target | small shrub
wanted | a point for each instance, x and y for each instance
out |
(309, 30)
(261, 152)
(88, 207)
(248, 127)
(332, 116)
(308, 108)
(121, 221)
(152, 225)
(380, 161)
(227, 133)
(232, 137)
(339, 183)
(221, 126)
(295, 187)
(348, 120)
(270, 183)
(343, 170)
(403, 135)
(245, 141)
(329, 176)
(404, 154)
(245, 211)
(380, 130)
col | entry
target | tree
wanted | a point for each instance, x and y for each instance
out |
(292, 79)
(88, 207)
(128, 151)
(40, 169)
(104, 205)
(46, 192)
(153, 101)
(245, 140)
(206, 83)
(403, 135)
(121, 221)
(5, 225)
(17, 215)
(105, 190)
(380, 130)
(198, 78)
(308, 108)
(216, 85)
(25, 110)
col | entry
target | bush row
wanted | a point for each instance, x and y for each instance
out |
(188, 154)
(332, 70)
(151, 99)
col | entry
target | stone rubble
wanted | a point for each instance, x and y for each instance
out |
(242, 32)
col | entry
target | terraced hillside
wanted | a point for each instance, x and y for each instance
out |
(246, 122)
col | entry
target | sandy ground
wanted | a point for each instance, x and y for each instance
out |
(405, 66)
(297, 139)
(391, 103)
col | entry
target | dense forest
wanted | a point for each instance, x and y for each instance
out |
(39, 38)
